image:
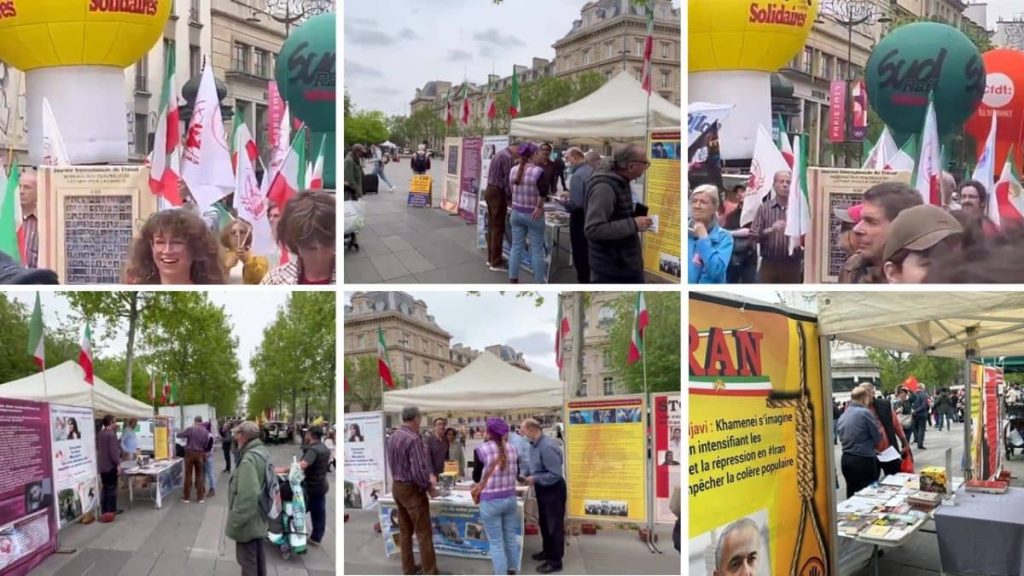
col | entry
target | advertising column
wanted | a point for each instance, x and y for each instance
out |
(28, 530)
(74, 461)
(668, 439)
(364, 459)
(758, 462)
(662, 243)
(606, 459)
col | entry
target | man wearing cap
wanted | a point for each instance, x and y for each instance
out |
(882, 203)
(768, 230)
(246, 524)
(913, 237)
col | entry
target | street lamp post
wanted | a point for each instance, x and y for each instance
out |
(289, 12)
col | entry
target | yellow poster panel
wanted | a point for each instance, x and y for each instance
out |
(606, 459)
(452, 174)
(758, 463)
(161, 439)
(977, 398)
(663, 243)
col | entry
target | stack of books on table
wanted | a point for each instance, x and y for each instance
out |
(924, 500)
(893, 527)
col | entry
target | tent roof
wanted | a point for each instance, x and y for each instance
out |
(486, 384)
(933, 323)
(65, 384)
(616, 110)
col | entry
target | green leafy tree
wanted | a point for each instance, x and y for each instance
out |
(661, 342)
(366, 127)
(364, 385)
(931, 371)
(546, 94)
(60, 342)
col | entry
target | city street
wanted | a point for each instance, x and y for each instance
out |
(610, 551)
(419, 245)
(181, 538)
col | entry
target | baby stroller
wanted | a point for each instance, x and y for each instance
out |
(288, 531)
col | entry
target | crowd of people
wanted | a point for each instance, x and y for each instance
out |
(891, 237)
(605, 219)
(181, 246)
(869, 424)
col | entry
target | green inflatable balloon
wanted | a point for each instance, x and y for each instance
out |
(921, 58)
(306, 78)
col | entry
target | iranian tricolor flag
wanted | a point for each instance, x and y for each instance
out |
(561, 331)
(490, 106)
(278, 152)
(784, 146)
(292, 176)
(448, 117)
(249, 202)
(642, 319)
(12, 229)
(929, 164)
(383, 366)
(648, 48)
(465, 105)
(513, 100)
(35, 335)
(165, 161)
(85, 354)
(250, 146)
(174, 392)
(315, 170)
(798, 217)
(1009, 192)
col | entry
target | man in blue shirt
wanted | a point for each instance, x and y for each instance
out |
(581, 172)
(547, 480)
(518, 439)
(129, 442)
(859, 432)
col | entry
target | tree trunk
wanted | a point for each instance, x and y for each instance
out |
(133, 320)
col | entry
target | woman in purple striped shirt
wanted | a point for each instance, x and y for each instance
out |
(499, 508)
(527, 214)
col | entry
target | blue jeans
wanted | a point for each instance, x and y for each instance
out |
(211, 478)
(501, 520)
(524, 226)
(379, 171)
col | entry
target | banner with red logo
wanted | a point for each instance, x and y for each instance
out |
(668, 452)
(986, 416)
(837, 112)
(859, 114)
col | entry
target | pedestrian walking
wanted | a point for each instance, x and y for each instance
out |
(211, 443)
(377, 161)
(412, 488)
(196, 442)
(226, 443)
(246, 523)
(920, 412)
(420, 161)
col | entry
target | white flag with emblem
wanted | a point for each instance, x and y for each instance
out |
(206, 161)
(249, 202)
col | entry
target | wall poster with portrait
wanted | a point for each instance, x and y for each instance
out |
(75, 477)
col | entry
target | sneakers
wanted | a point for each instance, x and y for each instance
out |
(186, 501)
(503, 267)
(202, 501)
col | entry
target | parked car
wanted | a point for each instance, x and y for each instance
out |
(276, 432)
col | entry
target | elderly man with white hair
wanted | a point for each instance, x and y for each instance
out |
(247, 525)
(710, 245)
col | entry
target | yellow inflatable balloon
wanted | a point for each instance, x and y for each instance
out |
(51, 33)
(760, 35)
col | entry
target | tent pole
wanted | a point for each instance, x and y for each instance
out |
(968, 354)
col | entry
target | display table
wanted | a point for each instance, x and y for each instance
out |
(162, 478)
(556, 219)
(458, 529)
(983, 533)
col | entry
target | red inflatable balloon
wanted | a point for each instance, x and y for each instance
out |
(1004, 95)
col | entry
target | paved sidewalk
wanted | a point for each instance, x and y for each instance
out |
(180, 539)
(610, 551)
(425, 245)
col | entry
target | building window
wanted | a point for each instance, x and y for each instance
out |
(141, 135)
(425, 344)
(666, 79)
(426, 367)
(586, 57)
(440, 369)
(361, 339)
(606, 358)
(808, 62)
(427, 379)
(407, 364)
(195, 61)
(666, 50)
(842, 69)
(240, 60)
(607, 50)
(827, 67)
(142, 75)
(609, 386)
(262, 59)
(194, 10)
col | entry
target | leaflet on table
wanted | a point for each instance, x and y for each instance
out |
(606, 459)
(364, 459)
(754, 374)
(28, 525)
(75, 476)
(457, 529)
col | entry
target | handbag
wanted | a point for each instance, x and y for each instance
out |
(479, 488)
(907, 463)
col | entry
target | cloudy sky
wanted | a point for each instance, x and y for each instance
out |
(492, 318)
(394, 47)
(248, 312)
(1005, 9)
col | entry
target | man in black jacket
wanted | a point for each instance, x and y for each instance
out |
(920, 416)
(612, 227)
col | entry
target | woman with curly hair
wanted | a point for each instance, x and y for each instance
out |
(174, 247)
(307, 229)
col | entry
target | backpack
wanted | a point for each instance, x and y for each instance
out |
(270, 495)
(419, 162)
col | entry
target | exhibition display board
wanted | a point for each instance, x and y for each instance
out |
(161, 478)
(75, 476)
(469, 178)
(986, 422)
(364, 459)
(421, 190)
(668, 452)
(28, 526)
(606, 459)
(759, 456)
(663, 242)
(492, 146)
(457, 527)
(452, 174)
(91, 216)
(163, 438)
(832, 188)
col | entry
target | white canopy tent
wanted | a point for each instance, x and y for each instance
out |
(615, 111)
(65, 384)
(486, 384)
(963, 325)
